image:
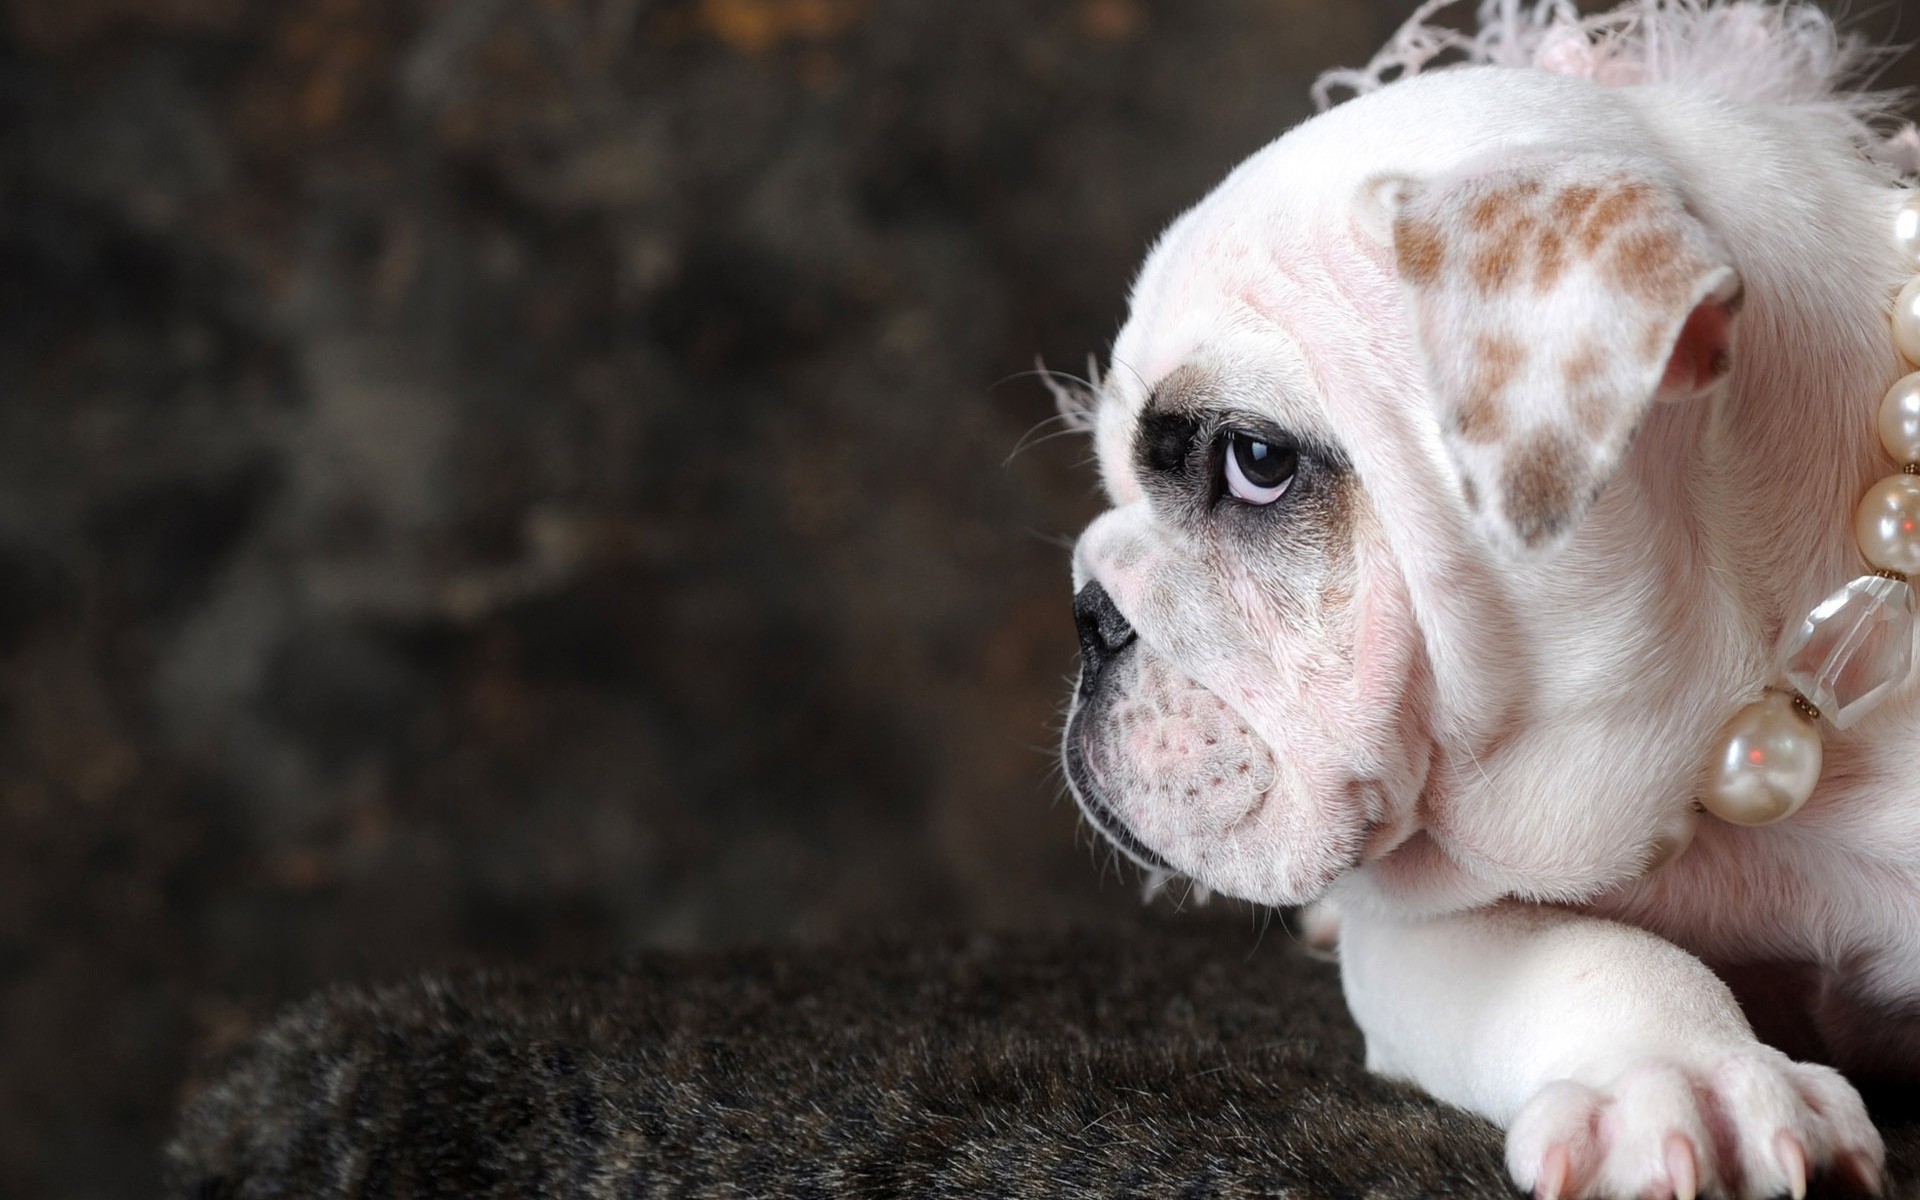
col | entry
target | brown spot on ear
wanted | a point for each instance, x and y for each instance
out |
(1500, 360)
(1551, 261)
(1502, 206)
(1542, 480)
(1481, 417)
(1613, 210)
(1648, 263)
(1583, 366)
(1592, 407)
(1573, 202)
(1494, 267)
(1488, 211)
(1470, 493)
(1421, 250)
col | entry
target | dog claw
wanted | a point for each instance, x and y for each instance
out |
(1861, 1172)
(1793, 1163)
(1682, 1168)
(1554, 1169)
(1759, 1124)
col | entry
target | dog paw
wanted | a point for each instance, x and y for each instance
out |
(1751, 1123)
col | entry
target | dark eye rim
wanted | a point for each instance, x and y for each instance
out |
(1180, 458)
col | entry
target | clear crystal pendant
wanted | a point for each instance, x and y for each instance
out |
(1853, 649)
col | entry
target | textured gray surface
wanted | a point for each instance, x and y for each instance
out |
(1165, 1061)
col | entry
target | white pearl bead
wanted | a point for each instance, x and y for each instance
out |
(1768, 763)
(1906, 321)
(1900, 420)
(1887, 525)
(1906, 230)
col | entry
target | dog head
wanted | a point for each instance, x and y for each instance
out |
(1369, 435)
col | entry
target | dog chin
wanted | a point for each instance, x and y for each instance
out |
(1178, 782)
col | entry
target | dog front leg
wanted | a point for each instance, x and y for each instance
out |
(1619, 1065)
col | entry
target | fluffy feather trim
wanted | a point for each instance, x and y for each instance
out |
(1752, 51)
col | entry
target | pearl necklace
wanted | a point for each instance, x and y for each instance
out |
(1856, 646)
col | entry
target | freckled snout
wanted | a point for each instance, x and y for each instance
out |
(1178, 780)
(1104, 633)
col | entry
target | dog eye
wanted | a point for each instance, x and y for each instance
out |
(1258, 472)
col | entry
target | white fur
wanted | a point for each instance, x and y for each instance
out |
(1475, 749)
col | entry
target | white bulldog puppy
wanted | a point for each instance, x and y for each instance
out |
(1469, 449)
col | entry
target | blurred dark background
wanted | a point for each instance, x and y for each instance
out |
(529, 480)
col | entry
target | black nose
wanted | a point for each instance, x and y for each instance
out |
(1103, 631)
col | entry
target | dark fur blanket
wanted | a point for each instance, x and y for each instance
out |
(1148, 1062)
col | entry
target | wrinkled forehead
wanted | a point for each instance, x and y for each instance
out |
(1244, 325)
(1252, 375)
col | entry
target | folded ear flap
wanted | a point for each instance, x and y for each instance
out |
(1553, 303)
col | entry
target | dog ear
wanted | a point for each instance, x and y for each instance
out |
(1553, 304)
